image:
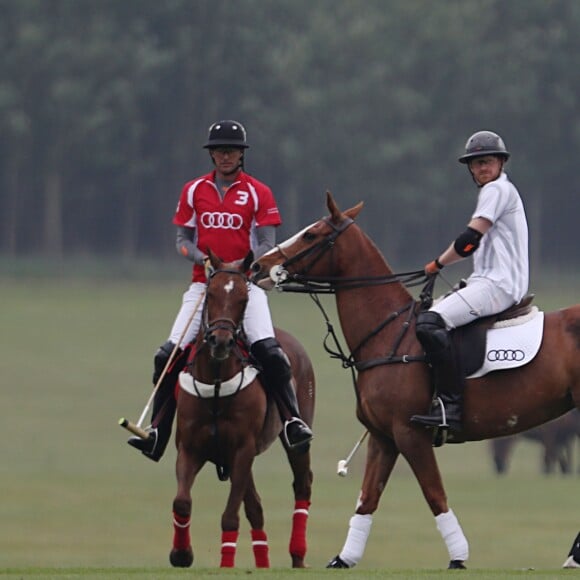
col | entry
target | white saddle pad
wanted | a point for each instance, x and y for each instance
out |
(205, 391)
(512, 343)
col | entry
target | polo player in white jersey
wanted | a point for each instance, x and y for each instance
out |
(497, 238)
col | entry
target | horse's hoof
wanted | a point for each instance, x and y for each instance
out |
(337, 562)
(456, 565)
(181, 558)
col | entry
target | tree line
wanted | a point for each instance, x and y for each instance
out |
(104, 107)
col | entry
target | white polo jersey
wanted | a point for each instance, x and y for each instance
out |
(502, 255)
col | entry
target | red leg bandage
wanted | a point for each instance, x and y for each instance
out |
(181, 539)
(260, 547)
(229, 544)
(298, 537)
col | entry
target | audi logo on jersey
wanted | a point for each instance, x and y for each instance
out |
(505, 355)
(221, 220)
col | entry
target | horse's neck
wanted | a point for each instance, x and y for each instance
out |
(361, 310)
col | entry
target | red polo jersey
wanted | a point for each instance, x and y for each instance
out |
(225, 222)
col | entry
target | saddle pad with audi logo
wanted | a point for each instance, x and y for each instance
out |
(512, 343)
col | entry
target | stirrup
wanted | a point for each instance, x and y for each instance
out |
(306, 430)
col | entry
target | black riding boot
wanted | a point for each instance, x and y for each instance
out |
(447, 377)
(278, 378)
(164, 404)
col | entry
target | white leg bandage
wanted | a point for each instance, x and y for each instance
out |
(356, 540)
(452, 534)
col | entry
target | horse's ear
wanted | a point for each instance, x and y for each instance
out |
(215, 261)
(335, 212)
(354, 211)
(248, 261)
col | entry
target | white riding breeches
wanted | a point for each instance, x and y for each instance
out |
(481, 297)
(257, 319)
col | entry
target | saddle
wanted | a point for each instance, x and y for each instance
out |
(470, 340)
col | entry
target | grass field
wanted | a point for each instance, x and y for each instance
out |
(76, 501)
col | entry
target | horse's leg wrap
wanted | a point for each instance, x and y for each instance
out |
(452, 534)
(299, 520)
(356, 539)
(181, 539)
(260, 548)
(229, 544)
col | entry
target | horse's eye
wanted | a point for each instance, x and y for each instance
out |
(308, 236)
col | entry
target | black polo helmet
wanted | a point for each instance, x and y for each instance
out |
(226, 134)
(484, 143)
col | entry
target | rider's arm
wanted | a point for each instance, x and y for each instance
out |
(185, 245)
(266, 239)
(450, 255)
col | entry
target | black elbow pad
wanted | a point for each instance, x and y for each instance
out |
(467, 242)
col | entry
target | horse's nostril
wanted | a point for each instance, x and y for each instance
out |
(255, 267)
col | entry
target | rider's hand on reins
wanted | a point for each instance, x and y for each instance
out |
(433, 267)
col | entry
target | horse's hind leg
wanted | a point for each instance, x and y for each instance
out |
(302, 485)
(241, 475)
(186, 468)
(255, 515)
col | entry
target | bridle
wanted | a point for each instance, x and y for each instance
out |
(209, 327)
(304, 282)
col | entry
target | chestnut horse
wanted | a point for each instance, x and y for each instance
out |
(224, 416)
(377, 315)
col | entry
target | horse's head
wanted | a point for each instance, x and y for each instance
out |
(305, 253)
(225, 304)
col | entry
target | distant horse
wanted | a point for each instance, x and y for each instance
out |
(377, 315)
(557, 438)
(224, 416)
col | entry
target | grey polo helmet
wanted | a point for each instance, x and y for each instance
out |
(484, 143)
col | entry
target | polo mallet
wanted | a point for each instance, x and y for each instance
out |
(135, 428)
(342, 468)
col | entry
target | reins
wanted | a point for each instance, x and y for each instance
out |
(315, 285)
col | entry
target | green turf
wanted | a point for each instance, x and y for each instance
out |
(76, 356)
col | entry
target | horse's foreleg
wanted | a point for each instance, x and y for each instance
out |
(187, 468)
(381, 458)
(302, 485)
(255, 515)
(419, 453)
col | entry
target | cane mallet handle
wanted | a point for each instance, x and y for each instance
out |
(133, 428)
(136, 428)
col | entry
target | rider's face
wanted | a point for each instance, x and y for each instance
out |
(227, 160)
(485, 168)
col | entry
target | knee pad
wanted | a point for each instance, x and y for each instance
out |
(272, 358)
(160, 359)
(432, 331)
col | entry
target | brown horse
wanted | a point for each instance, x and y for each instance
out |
(557, 438)
(224, 416)
(377, 316)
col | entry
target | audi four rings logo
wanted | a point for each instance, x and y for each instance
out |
(505, 355)
(221, 220)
